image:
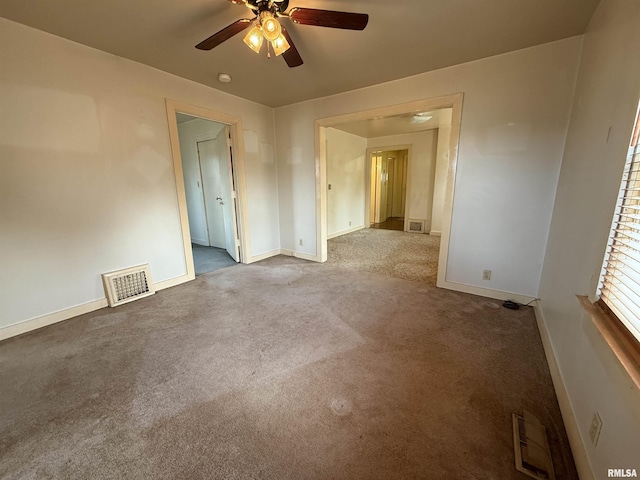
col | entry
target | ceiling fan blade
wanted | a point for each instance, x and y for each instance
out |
(224, 34)
(291, 56)
(329, 18)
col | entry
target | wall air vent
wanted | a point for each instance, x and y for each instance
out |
(416, 226)
(123, 286)
(533, 456)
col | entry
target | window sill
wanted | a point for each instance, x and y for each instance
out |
(623, 345)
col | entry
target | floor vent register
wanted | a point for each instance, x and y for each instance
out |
(533, 456)
(123, 286)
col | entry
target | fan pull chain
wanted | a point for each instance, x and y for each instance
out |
(269, 50)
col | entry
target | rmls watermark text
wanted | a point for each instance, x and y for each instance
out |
(622, 473)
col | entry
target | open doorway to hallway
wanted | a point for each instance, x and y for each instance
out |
(386, 187)
(388, 179)
(207, 167)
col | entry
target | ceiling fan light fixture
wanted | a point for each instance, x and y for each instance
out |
(253, 39)
(271, 28)
(280, 45)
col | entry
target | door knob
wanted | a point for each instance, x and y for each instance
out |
(218, 198)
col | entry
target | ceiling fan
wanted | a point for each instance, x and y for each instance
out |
(267, 27)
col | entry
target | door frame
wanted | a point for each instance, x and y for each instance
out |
(450, 101)
(367, 188)
(237, 146)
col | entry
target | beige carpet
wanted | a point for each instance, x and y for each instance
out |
(279, 370)
(411, 256)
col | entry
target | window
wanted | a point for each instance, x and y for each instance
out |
(619, 288)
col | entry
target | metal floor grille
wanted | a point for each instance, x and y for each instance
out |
(533, 456)
(122, 286)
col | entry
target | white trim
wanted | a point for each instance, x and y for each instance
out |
(345, 232)
(435, 233)
(487, 292)
(284, 251)
(450, 101)
(264, 256)
(235, 125)
(301, 255)
(172, 282)
(306, 256)
(447, 211)
(321, 192)
(61, 315)
(51, 318)
(571, 426)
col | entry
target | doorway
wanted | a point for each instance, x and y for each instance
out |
(388, 179)
(364, 124)
(207, 166)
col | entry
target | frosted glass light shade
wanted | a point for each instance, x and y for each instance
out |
(280, 45)
(253, 39)
(271, 28)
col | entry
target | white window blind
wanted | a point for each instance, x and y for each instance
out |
(619, 285)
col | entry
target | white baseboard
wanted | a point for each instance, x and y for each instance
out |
(306, 256)
(575, 440)
(435, 233)
(263, 256)
(303, 256)
(55, 317)
(51, 318)
(283, 251)
(344, 232)
(172, 282)
(485, 292)
(202, 243)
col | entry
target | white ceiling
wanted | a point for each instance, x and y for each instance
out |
(398, 124)
(403, 38)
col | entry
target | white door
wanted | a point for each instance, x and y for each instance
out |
(219, 193)
(210, 172)
(390, 184)
(228, 194)
(381, 214)
(379, 188)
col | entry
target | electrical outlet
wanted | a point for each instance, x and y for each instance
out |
(300, 242)
(594, 429)
(349, 222)
(486, 275)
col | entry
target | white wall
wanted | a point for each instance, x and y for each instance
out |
(191, 133)
(346, 174)
(421, 167)
(87, 182)
(514, 119)
(606, 98)
(440, 178)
